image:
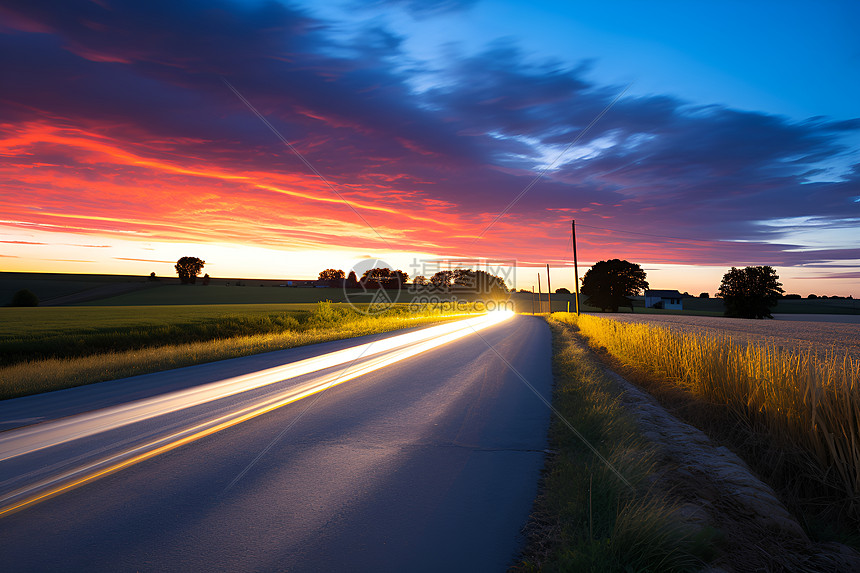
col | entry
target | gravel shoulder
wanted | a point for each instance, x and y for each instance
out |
(811, 331)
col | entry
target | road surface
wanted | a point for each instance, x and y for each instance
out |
(429, 463)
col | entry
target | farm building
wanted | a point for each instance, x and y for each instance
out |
(664, 299)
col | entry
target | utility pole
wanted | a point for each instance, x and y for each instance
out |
(575, 268)
(548, 290)
(540, 295)
(533, 300)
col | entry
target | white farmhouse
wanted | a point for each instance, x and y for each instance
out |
(664, 299)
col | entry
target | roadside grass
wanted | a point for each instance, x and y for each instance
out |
(793, 414)
(141, 349)
(586, 518)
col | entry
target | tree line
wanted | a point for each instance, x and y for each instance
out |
(443, 281)
(749, 292)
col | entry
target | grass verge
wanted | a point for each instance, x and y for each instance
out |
(586, 518)
(793, 415)
(229, 336)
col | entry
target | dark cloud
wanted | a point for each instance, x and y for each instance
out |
(707, 171)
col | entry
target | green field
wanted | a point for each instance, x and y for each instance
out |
(46, 321)
(220, 294)
(47, 286)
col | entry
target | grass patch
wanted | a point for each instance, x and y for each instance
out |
(793, 414)
(586, 518)
(77, 346)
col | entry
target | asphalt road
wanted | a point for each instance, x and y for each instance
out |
(428, 464)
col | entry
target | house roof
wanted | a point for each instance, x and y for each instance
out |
(664, 293)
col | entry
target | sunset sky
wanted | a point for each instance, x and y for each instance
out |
(736, 142)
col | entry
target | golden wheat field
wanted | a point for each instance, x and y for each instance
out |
(805, 332)
(777, 376)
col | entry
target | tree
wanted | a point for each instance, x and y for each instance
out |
(478, 282)
(332, 277)
(420, 280)
(383, 277)
(351, 280)
(750, 292)
(608, 283)
(704, 295)
(562, 290)
(398, 279)
(188, 268)
(442, 279)
(24, 297)
(206, 279)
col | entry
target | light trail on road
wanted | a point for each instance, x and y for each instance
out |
(361, 359)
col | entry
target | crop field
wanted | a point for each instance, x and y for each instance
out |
(804, 332)
(791, 383)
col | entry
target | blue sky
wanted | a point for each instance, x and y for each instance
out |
(788, 57)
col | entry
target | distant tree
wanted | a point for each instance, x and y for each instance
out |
(420, 280)
(400, 277)
(812, 296)
(206, 279)
(791, 296)
(152, 277)
(332, 277)
(704, 295)
(608, 283)
(188, 268)
(524, 290)
(383, 277)
(562, 290)
(442, 279)
(478, 282)
(24, 297)
(351, 280)
(750, 292)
